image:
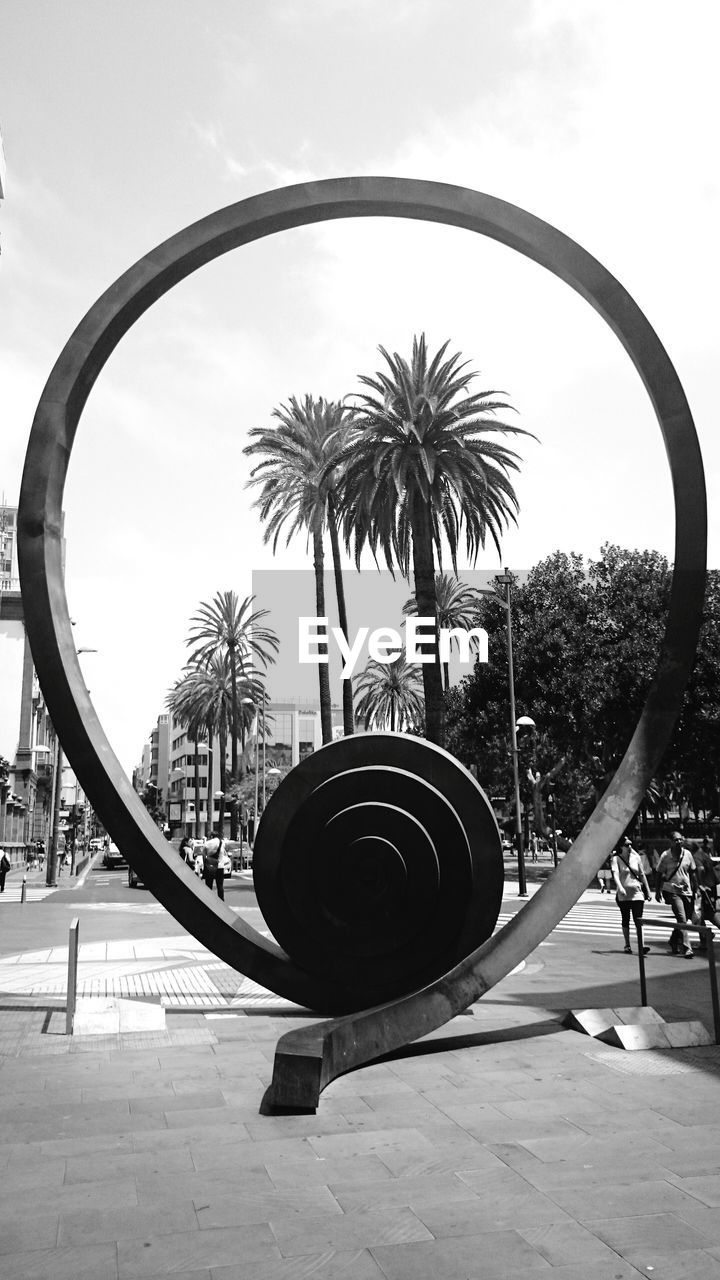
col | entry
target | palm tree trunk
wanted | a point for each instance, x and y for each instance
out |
(223, 779)
(347, 693)
(233, 746)
(323, 669)
(426, 600)
(196, 736)
(446, 676)
(210, 805)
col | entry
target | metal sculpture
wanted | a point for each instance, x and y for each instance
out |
(307, 1060)
(378, 859)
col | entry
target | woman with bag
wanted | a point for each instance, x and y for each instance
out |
(224, 868)
(216, 861)
(186, 850)
(632, 889)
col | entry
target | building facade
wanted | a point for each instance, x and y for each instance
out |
(291, 731)
(28, 743)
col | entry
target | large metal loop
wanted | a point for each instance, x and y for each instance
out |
(341, 1045)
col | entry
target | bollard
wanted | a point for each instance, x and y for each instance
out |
(641, 963)
(23, 891)
(710, 941)
(73, 948)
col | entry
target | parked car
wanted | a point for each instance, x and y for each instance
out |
(113, 857)
(240, 854)
(134, 879)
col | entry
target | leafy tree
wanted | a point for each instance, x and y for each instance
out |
(586, 644)
(229, 627)
(390, 695)
(693, 759)
(151, 797)
(297, 477)
(423, 467)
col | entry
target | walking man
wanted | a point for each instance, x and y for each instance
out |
(676, 883)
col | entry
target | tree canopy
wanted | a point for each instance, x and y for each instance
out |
(586, 641)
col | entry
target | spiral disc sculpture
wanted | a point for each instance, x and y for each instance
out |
(399, 822)
(378, 859)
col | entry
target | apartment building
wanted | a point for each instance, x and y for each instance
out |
(27, 738)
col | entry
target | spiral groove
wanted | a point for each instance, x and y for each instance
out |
(378, 860)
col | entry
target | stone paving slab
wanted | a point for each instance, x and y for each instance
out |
(502, 1145)
(149, 1159)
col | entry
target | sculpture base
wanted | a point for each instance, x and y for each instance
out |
(637, 1028)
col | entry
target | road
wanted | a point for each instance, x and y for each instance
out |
(126, 935)
(108, 908)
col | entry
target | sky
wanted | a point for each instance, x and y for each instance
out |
(123, 122)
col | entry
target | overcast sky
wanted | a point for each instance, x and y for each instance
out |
(123, 122)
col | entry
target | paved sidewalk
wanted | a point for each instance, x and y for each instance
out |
(500, 1146)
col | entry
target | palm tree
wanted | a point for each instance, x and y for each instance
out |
(203, 695)
(389, 695)
(182, 703)
(457, 606)
(228, 626)
(422, 466)
(297, 476)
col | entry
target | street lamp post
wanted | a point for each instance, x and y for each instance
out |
(259, 719)
(220, 797)
(184, 803)
(505, 580)
(527, 722)
(52, 860)
(153, 786)
(551, 815)
(264, 751)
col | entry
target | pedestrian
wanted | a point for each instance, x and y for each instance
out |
(215, 860)
(534, 847)
(4, 868)
(605, 876)
(676, 881)
(707, 884)
(186, 850)
(647, 865)
(632, 889)
(649, 859)
(198, 858)
(224, 869)
(40, 851)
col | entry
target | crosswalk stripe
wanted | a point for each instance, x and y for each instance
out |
(33, 893)
(600, 919)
